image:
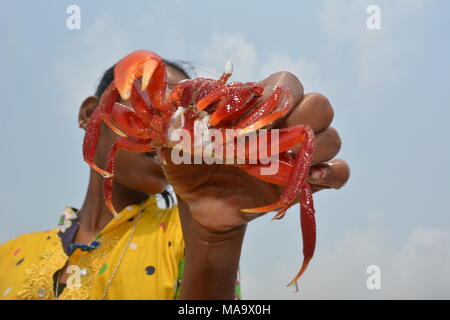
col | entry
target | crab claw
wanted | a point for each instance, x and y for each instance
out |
(140, 63)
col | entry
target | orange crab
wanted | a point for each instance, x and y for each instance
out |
(153, 116)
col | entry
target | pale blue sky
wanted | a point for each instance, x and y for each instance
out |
(389, 89)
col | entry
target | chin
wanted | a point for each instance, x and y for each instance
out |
(143, 181)
(153, 186)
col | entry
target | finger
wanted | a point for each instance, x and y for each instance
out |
(327, 145)
(314, 110)
(284, 79)
(315, 188)
(332, 174)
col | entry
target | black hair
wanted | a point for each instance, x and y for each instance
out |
(108, 77)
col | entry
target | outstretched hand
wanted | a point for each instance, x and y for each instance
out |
(216, 193)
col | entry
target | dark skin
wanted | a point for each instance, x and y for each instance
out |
(209, 196)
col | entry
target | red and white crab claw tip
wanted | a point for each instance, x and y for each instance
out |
(141, 63)
(279, 215)
(106, 174)
(293, 283)
(149, 67)
(111, 208)
(300, 273)
(228, 67)
(103, 173)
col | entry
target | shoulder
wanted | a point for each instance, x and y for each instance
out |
(19, 258)
(34, 240)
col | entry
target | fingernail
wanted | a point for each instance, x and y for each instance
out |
(318, 173)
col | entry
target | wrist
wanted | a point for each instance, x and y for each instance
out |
(211, 267)
(211, 259)
(193, 230)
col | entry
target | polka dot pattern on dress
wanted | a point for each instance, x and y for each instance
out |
(7, 291)
(150, 270)
(103, 269)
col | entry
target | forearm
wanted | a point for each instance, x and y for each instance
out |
(212, 259)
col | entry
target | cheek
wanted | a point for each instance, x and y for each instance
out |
(140, 173)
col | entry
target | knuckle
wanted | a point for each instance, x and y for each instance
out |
(322, 105)
(341, 172)
(334, 138)
(290, 80)
(288, 75)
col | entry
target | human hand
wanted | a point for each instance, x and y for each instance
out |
(216, 193)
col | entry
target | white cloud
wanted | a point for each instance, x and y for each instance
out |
(379, 53)
(307, 71)
(417, 268)
(83, 60)
(249, 66)
(242, 53)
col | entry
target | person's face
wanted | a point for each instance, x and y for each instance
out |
(134, 170)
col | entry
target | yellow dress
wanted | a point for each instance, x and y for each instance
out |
(138, 256)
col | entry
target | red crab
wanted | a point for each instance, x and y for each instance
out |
(148, 125)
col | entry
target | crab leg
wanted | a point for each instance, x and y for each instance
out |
(288, 138)
(272, 117)
(308, 226)
(227, 72)
(237, 98)
(297, 179)
(211, 98)
(106, 104)
(229, 110)
(281, 178)
(297, 184)
(267, 147)
(92, 134)
(130, 144)
(262, 110)
(91, 140)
